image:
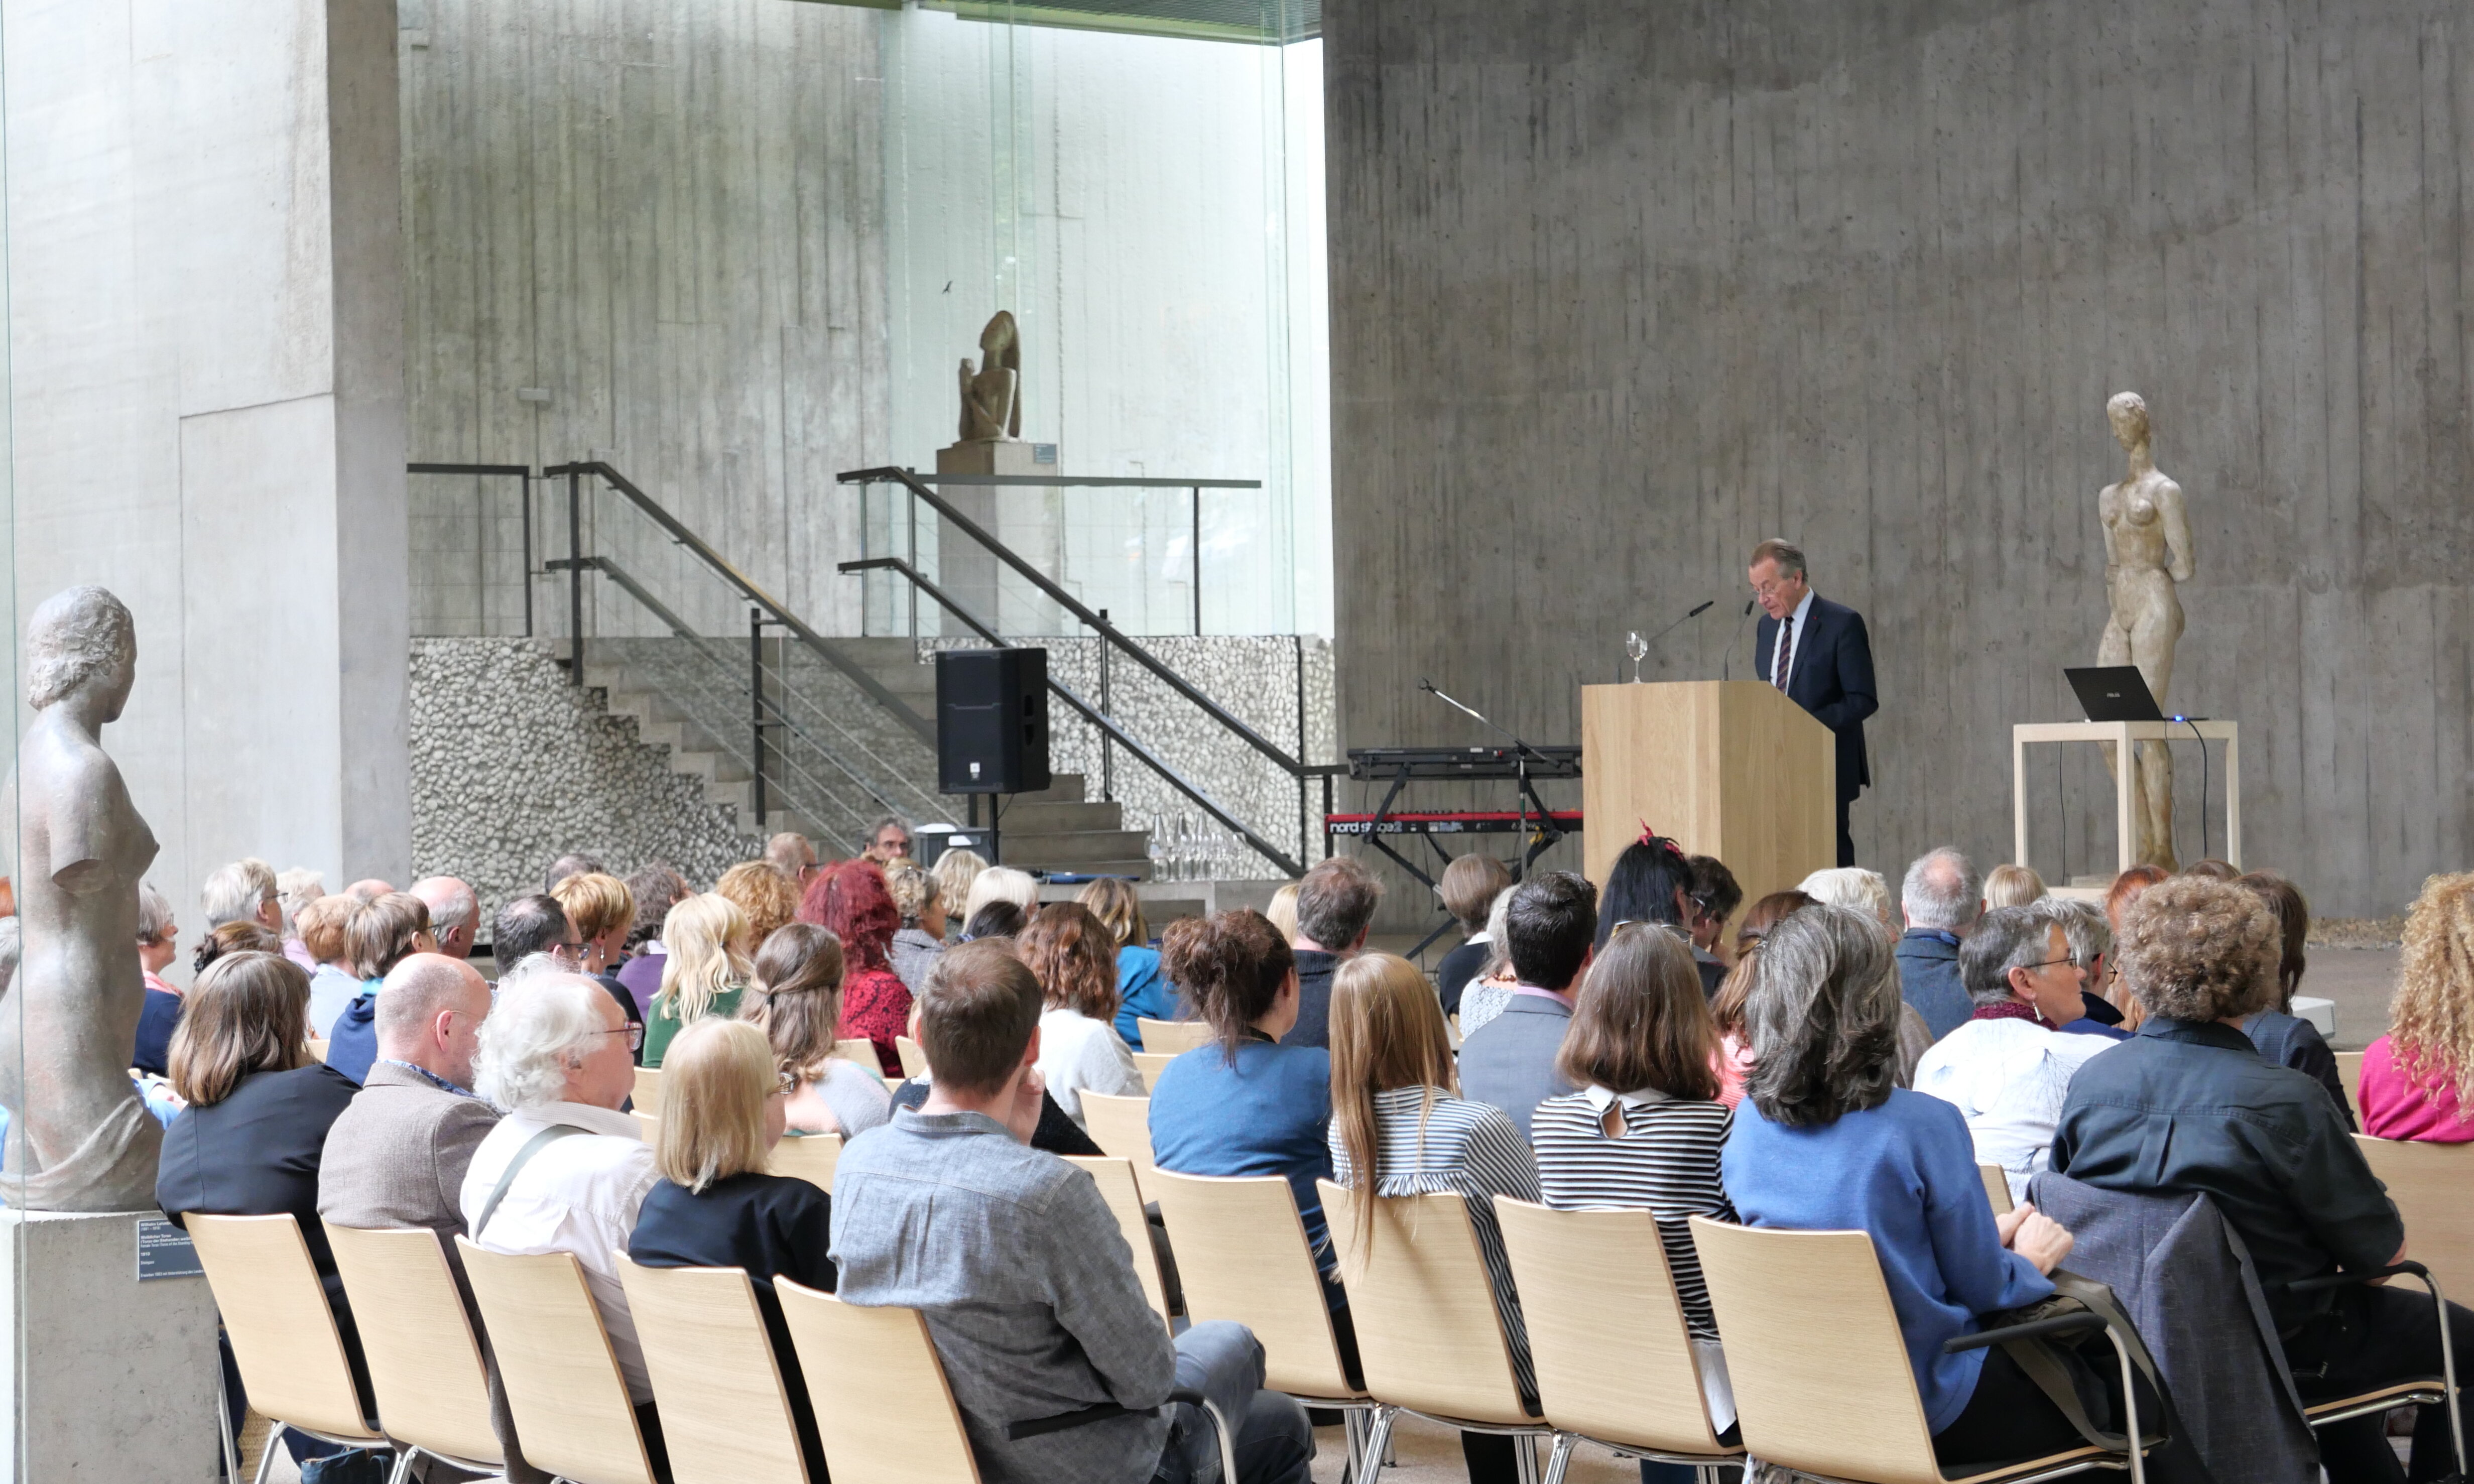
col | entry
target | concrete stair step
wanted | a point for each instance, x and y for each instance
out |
(1140, 870)
(1075, 846)
(1062, 788)
(1043, 819)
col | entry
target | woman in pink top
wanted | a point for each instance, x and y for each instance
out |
(1735, 1048)
(2418, 1080)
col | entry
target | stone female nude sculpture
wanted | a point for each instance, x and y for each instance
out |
(992, 394)
(2146, 551)
(78, 1139)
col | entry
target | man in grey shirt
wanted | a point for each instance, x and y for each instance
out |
(1061, 1370)
(1509, 1061)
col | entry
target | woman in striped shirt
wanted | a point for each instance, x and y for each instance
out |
(1397, 1130)
(1646, 1130)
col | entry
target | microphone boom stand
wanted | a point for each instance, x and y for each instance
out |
(1520, 763)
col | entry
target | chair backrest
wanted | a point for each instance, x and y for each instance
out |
(1607, 1333)
(648, 1126)
(915, 1057)
(861, 1051)
(318, 1048)
(648, 1091)
(811, 1158)
(1996, 1186)
(1242, 1256)
(884, 1410)
(2430, 1183)
(2349, 1073)
(570, 1402)
(283, 1335)
(1121, 1128)
(1119, 1188)
(1428, 1336)
(1172, 1038)
(426, 1367)
(725, 1418)
(1814, 1351)
(1151, 1065)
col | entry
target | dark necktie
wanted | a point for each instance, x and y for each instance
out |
(1786, 651)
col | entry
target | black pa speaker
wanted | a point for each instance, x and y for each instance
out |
(991, 720)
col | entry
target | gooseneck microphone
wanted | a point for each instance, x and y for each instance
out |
(1726, 668)
(1695, 613)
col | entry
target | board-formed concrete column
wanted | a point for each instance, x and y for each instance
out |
(207, 345)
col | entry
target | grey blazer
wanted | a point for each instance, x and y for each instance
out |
(1510, 1062)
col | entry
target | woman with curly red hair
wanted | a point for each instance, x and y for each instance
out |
(851, 902)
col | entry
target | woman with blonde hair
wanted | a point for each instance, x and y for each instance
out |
(705, 973)
(1142, 994)
(722, 1111)
(1073, 957)
(2418, 1078)
(2012, 886)
(1490, 990)
(1282, 913)
(1399, 1129)
(1001, 884)
(955, 871)
(768, 897)
(796, 1000)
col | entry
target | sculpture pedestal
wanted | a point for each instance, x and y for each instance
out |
(108, 1378)
(965, 568)
(2125, 781)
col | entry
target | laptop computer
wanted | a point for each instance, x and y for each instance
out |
(2114, 693)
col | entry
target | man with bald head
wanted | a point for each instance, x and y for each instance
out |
(369, 888)
(454, 914)
(397, 1156)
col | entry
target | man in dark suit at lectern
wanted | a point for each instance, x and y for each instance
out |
(1816, 651)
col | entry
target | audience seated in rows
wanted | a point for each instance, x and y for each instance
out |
(1646, 1130)
(1060, 1370)
(1469, 885)
(1866, 892)
(157, 945)
(796, 1000)
(1250, 1102)
(1282, 913)
(723, 1109)
(380, 933)
(1510, 1061)
(2008, 1069)
(921, 937)
(1490, 990)
(572, 863)
(565, 1171)
(763, 893)
(996, 919)
(2282, 1037)
(537, 924)
(1940, 900)
(599, 911)
(1727, 1011)
(794, 855)
(2012, 886)
(1714, 896)
(1826, 1140)
(850, 902)
(332, 983)
(454, 914)
(656, 888)
(957, 872)
(1651, 881)
(295, 890)
(1336, 903)
(2214, 868)
(1053, 1133)
(2190, 1106)
(252, 1136)
(1398, 1130)
(243, 892)
(1073, 957)
(1001, 884)
(706, 972)
(1142, 994)
(2091, 939)
(2418, 1080)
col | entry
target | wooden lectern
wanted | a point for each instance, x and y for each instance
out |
(1730, 769)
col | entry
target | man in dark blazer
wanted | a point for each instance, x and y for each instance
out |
(1817, 652)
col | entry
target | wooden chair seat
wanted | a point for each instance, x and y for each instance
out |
(1151, 1065)
(1172, 1038)
(2397, 1393)
(2078, 1460)
(648, 1092)
(811, 1158)
(425, 1366)
(1121, 1128)
(915, 1057)
(861, 1051)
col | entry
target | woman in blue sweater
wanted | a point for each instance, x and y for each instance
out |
(1825, 1141)
(1141, 992)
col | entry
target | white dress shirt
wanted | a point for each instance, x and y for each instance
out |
(1788, 644)
(2009, 1078)
(1077, 1052)
(577, 1195)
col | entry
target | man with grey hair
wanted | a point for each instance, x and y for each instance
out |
(158, 944)
(454, 914)
(565, 1171)
(794, 855)
(1336, 904)
(1817, 654)
(2091, 938)
(887, 841)
(243, 892)
(2008, 1069)
(1939, 899)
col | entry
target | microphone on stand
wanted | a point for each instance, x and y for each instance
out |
(1726, 668)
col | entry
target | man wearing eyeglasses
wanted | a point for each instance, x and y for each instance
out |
(1819, 653)
(537, 924)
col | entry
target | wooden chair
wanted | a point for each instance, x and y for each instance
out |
(1119, 1188)
(1121, 1128)
(2431, 1184)
(1242, 1256)
(1996, 1186)
(648, 1091)
(563, 1384)
(811, 1158)
(1608, 1336)
(2349, 1074)
(1429, 1339)
(883, 1407)
(425, 1366)
(1821, 1376)
(1172, 1038)
(318, 1048)
(725, 1416)
(1151, 1065)
(861, 1052)
(283, 1335)
(647, 1126)
(915, 1057)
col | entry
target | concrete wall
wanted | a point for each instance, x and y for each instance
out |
(1618, 291)
(205, 337)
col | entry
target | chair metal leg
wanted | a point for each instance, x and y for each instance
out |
(1378, 1443)
(1525, 1457)
(1353, 1423)
(266, 1459)
(2448, 1373)
(2130, 1411)
(1227, 1443)
(403, 1465)
(1561, 1459)
(223, 1430)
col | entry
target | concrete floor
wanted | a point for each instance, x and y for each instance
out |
(2360, 980)
(1426, 1454)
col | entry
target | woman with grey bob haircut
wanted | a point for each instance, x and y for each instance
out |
(540, 1029)
(1823, 1018)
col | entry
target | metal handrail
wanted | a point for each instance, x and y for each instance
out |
(1296, 767)
(831, 653)
(1090, 713)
